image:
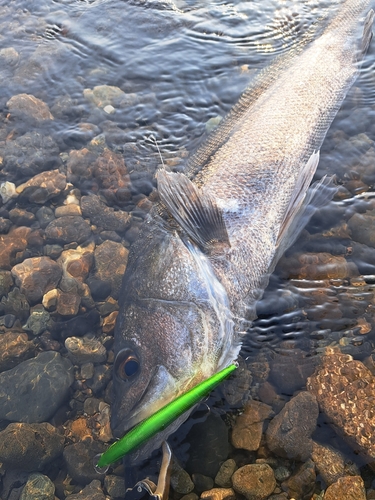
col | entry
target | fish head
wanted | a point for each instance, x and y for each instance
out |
(171, 333)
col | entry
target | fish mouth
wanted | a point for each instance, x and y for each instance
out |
(161, 390)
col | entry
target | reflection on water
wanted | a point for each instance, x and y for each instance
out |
(103, 77)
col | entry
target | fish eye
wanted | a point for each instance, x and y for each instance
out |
(127, 364)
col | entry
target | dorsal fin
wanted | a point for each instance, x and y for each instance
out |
(195, 211)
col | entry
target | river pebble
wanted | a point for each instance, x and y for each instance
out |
(115, 486)
(79, 458)
(219, 494)
(21, 217)
(181, 482)
(201, 482)
(110, 264)
(36, 276)
(301, 484)
(29, 107)
(35, 389)
(248, 428)
(224, 476)
(85, 350)
(349, 399)
(77, 263)
(102, 216)
(39, 320)
(13, 246)
(362, 228)
(92, 491)
(15, 303)
(15, 347)
(30, 446)
(350, 488)
(43, 187)
(68, 229)
(38, 487)
(289, 433)
(104, 95)
(331, 463)
(254, 481)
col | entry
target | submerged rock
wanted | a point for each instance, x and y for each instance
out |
(29, 107)
(102, 216)
(93, 491)
(110, 264)
(345, 391)
(38, 487)
(43, 186)
(105, 95)
(30, 446)
(35, 389)
(85, 350)
(79, 460)
(289, 433)
(350, 488)
(13, 246)
(331, 464)
(248, 429)
(254, 482)
(15, 303)
(301, 484)
(68, 229)
(15, 347)
(36, 276)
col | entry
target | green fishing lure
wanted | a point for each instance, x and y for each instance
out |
(162, 418)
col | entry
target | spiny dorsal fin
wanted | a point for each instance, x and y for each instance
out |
(195, 211)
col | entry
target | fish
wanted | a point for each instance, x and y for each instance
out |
(205, 252)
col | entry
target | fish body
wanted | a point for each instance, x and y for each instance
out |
(204, 254)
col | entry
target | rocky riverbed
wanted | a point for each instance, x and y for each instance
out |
(296, 421)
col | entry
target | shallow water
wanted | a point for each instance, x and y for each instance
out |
(180, 65)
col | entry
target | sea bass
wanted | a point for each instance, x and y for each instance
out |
(205, 252)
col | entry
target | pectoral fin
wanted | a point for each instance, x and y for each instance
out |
(195, 211)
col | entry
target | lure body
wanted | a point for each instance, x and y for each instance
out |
(162, 418)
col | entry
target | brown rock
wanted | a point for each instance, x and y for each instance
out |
(22, 105)
(102, 216)
(13, 246)
(70, 209)
(254, 482)
(362, 228)
(43, 187)
(289, 433)
(77, 263)
(348, 488)
(92, 491)
(110, 171)
(301, 484)
(219, 494)
(345, 391)
(68, 229)
(6, 281)
(110, 264)
(14, 348)
(67, 303)
(36, 276)
(331, 464)
(85, 350)
(317, 266)
(224, 476)
(81, 163)
(109, 322)
(30, 446)
(248, 429)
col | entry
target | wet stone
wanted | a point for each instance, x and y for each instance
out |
(202, 483)
(29, 107)
(362, 228)
(114, 486)
(71, 209)
(6, 281)
(21, 217)
(15, 303)
(91, 406)
(79, 459)
(190, 496)
(30, 447)
(224, 476)
(109, 322)
(9, 56)
(102, 216)
(68, 229)
(301, 484)
(331, 464)
(349, 401)
(317, 266)
(350, 488)
(236, 388)
(14, 348)
(110, 264)
(7, 191)
(36, 388)
(45, 215)
(111, 173)
(104, 95)
(13, 246)
(38, 487)
(7, 320)
(38, 321)
(99, 289)
(289, 433)
(219, 494)
(208, 446)
(248, 429)
(289, 372)
(43, 186)
(5, 225)
(85, 350)
(100, 379)
(36, 276)
(77, 263)
(254, 482)
(87, 370)
(30, 154)
(80, 164)
(180, 480)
